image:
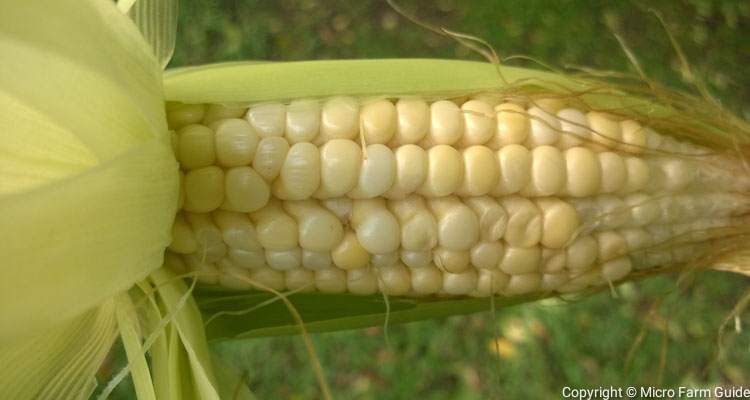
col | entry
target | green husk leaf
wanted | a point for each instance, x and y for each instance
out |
(157, 21)
(282, 81)
(191, 338)
(88, 182)
(60, 363)
(127, 322)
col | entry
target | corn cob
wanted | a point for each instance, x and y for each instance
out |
(475, 195)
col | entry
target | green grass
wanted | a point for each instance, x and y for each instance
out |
(547, 345)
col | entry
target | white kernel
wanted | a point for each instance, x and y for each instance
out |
(636, 238)
(612, 212)
(583, 172)
(411, 171)
(416, 259)
(340, 207)
(236, 230)
(300, 174)
(268, 120)
(349, 254)
(560, 222)
(493, 219)
(233, 277)
(451, 260)
(302, 280)
(427, 280)
(486, 255)
(185, 114)
(269, 157)
(614, 173)
(302, 121)
(183, 239)
(204, 189)
(547, 172)
(479, 123)
(384, 259)
(490, 282)
(284, 260)
(544, 128)
(552, 281)
(481, 171)
(611, 245)
(236, 142)
(250, 259)
(446, 123)
(196, 147)
(377, 173)
(633, 137)
(512, 125)
(275, 228)
(458, 226)
(394, 280)
(445, 170)
(316, 259)
(413, 121)
(678, 174)
(643, 209)
(581, 254)
(638, 174)
(523, 284)
(616, 269)
(361, 281)
(574, 127)
(460, 284)
(215, 112)
(340, 161)
(419, 231)
(339, 119)
(377, 229)
(207, 273)
(521, 260)
(245, 190)
(379, 121)
(604, 129)
(267, 278)
(515, 169)
(554, 260)
(524, 227)
(319, 229)
(331, 280)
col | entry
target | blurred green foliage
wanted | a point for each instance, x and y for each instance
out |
(544, 346)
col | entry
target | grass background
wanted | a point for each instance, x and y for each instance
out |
(543, 346)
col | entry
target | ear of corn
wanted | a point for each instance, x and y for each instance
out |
(425, 179)
(379, 182)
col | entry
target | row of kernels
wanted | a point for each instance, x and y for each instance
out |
(605, 212)
(414, 224)
(446, 224)
(413, 121)
(397, 280)
(341, 167)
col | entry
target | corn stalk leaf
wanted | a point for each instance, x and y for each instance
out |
(229, 320)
